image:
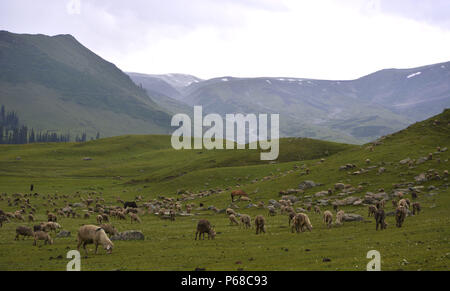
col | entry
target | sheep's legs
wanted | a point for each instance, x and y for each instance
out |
(96, 248)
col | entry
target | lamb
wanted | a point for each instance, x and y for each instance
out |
(317, 209)
(233, 219)
(380, 216)
(400, 214)
(24, 231)
(52, 217)
(204, 226)
(328, 218)
(291, 215)
(109, 229)
(51, 226)
(105, 217)
(300, 222)
(272, 210)
(41, 235)
(99, 219)
(246, 221)
(340, 217)
(134, 217)
(91, 234)
(404, 203)
(416, 208)
(230, 211)
(372, 210)
(259, 224)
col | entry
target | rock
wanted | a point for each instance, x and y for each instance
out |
(323, 202)
(349, 217)
(405, 161)
(129, 235)
(339, 186)
(63, 233)
(347, 201)
(381, 170)
(306, 185)
(421, 178)
(87, 159)
(274, 203)
(292, 198)
(357, 202)
(326, 260)
(321, 194)
(421, 160)
(77, 205)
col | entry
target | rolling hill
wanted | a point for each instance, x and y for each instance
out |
(55, 83)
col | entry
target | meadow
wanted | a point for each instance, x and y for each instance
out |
(147, 166)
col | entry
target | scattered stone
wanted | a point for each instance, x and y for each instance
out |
(63, 233)
(129, 235)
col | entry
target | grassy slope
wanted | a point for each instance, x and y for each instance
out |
(422, 242)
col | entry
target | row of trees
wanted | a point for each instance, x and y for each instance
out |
(11, 132)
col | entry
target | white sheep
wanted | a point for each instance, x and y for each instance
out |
(88, 234)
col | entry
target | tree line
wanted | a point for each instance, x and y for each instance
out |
(12, 132)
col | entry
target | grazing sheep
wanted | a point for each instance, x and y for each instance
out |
(394, 203)
(91, 234)
(416, 208)
(317, 209)
(49, 226)
(400, 215)
(109, 229)
(230, 211)
(134, 217)
(19, 216)
(24, 231)
(239, 193)
(204, 226)
(380, 216)
(340, 217)
(291, 215)
(272, 210)
(372, 210)
(3, 218)
(52, 217)
(246, 221)
(99, 219)
(105, 217)
(41, 235)
(328, 218)
(233, 219)
(300, 222)
(260, 224)
(245, 198)
(404, 202)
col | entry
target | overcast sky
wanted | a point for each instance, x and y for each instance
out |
(323, 39)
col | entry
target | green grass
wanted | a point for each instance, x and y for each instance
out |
(149, 167)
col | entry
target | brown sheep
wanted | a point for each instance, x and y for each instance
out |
(340, 217)
(233, 220)
(239, 193)
(99, 219)
(400, 215)
(260, 224)
(109, 229)
(328, 218)
(380, 216)
(317, 209)
(300, 222)
(372, 210)
(230, 211)
(246, 221)
(134, 217)
(24, 231)
(41, 235)
(91, 234)
(416, 208)
(291, 215)
(52, 217)
(204, 226)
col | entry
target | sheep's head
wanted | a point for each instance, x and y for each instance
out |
(109, 248)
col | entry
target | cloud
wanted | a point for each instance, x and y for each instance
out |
(325, 39)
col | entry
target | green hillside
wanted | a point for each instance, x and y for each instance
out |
(55, 83)
(129, 166)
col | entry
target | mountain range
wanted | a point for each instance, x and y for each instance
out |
(55, 83)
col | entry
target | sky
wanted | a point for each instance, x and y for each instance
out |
(320, 39)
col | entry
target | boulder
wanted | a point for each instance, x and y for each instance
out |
(306, 185)
(349, 217)
(339, 186)
(405, 161)
(421, 178)
(129, 235)
(347, 201)
(63, 233)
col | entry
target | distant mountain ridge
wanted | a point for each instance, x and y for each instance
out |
(55, 83)
(354, 111)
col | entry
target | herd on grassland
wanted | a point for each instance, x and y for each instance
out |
(168, 208)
